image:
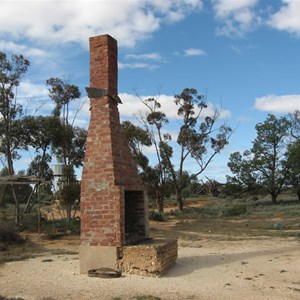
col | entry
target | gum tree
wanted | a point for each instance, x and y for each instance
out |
(267, 162)
(12, 135)
(200, 137)
(68, 143)
(11, 73)
(152, 176)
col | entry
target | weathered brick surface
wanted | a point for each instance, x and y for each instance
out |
(109, 168)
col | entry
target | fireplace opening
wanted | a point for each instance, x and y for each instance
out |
(135, 223)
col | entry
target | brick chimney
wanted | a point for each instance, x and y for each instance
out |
(114, 210)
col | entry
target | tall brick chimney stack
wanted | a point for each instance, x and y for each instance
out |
(114, 209)
(104, 63)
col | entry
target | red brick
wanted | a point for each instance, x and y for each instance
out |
(109, 168)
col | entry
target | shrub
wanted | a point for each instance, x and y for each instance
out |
(156, 216)
(279, 225)
(9, 236)
(208, 210)
(174, 212)
(235, 210)
(61, 227)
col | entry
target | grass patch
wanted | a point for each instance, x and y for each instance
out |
(235, 210)
(234, 218)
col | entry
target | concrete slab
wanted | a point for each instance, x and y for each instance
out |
(94, 257)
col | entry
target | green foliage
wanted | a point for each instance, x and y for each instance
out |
(232, 190)
(12, 134)
(69, 191)
(21, 191)
(266, 164)
(137, 138)
(62, 93)
(68, 143)
(71, 226)
(279, 225)
(185, 192)
(156, 216)
(9, 235)
(235, 210)
(43, 131)
(199, 138)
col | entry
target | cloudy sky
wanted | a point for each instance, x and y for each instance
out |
(244, 54)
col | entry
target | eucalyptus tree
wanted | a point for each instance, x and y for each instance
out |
(294, 151)
(269, 154)
(200, 137)
(62, 93)
(293, 155)
(11, 133)
(244, 180)
(151, 176)
(137, 138)
(68, 142)
(267, 163)
(12, 137)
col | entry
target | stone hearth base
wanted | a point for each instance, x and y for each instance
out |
(149, 258)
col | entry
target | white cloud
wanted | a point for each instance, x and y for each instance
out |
(137, 65)
(237, 50)
(278, 104)
(287, 18)
(244, 119)
(146, 56)
(28, 89)
(26, 51)
(150, 57)
(226, 8)
(238, 16)
(194, 52)
(57, 22)
(35, 100)
(132, 104)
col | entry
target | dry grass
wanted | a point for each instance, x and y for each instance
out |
(231, 219)
(218, 219)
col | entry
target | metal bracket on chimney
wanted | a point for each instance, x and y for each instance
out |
(97, 92)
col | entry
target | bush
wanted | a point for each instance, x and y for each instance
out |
(279, 225)
(156, 216)
(62, 227)
(235, 210)
(209, 210)
(9, 236)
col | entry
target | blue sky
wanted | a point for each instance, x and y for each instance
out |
(245, 54)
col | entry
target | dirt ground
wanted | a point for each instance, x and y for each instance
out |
(206, 268)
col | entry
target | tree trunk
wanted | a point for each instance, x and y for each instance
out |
(17, 206)
(159, 203)
(69, 211)
(274, 198)
(179, 201)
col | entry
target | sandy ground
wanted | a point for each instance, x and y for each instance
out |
(205, 269)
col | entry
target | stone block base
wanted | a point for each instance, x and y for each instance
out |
(150, 258)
